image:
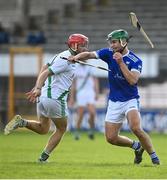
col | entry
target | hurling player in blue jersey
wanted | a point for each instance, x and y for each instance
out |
(123, 102)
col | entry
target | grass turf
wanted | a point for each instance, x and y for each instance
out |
(85, 159)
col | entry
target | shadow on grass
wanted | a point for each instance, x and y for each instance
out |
(79, 164)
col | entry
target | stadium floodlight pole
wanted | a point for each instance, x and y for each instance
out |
(84, 63)
(135, 22)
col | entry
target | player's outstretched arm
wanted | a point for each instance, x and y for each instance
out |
(82, 56)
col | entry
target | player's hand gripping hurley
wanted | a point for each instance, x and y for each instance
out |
(84, 63)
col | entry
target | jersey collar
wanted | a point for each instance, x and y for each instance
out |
(72, 52)
(126, 54)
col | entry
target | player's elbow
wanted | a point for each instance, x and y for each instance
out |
(133, 78)
(91, 55)
(87, 55)
(132, 82)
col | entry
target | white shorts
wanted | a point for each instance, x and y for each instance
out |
(52, 108)
(85, 98)
(117, 111)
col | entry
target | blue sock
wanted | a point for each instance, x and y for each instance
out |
(136, 145)
(153, 156)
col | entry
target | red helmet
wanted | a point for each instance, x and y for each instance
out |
(77, 39)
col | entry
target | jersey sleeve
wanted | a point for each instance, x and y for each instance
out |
(103, 54)
(58, 66)
(51, 61)
(92, 71)
(137, 66)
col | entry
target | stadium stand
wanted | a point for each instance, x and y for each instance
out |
(58, 19)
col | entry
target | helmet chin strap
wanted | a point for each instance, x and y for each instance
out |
(124, 44)
(74, 50)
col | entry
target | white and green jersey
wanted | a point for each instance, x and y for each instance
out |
(85, 85)
(84, 78)
(57, 86)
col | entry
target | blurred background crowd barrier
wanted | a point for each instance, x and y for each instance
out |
(153, 120)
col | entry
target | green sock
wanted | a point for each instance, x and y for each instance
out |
(77, 132)
(44, 156)
(91, 131)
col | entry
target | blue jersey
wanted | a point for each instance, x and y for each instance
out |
(120, 89)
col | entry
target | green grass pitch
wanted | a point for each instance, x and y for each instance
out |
(83, 159)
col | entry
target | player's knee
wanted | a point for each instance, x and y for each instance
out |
(62, 130)
(111, 139)
(136, 130)
(91, 119)
(92, 115)
(80, 117)
(43, 131)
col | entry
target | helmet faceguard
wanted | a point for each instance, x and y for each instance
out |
(75, 40)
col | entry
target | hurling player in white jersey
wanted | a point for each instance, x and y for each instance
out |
(85, 90)
(51, 90)
(123, 102)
